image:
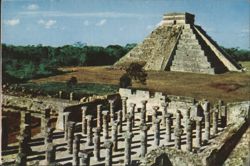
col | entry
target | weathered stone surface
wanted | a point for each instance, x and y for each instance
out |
(180, 46)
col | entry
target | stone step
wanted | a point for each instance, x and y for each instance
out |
(187, 30)
(188, 26)
(189, 41)
(194, 46)
(192, 58)
(190, 52)
(190, 64)
(192, 69)
(188, 36)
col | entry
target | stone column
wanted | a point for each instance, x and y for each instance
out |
(187, 118)
(21, 159)
(84, 122)
(66, 118)
(124, 107)
(178, 119)
(89, 130)
(144, 129)
(119, 118)
(198, 137)
(85, 159)
(112, 111)
(154, 113)
(71, 95)
(108, 159)
(76, 149)
(22, 117)
(47, 112)
(129, 118)
(105, 125)
(223, 110)
(128, 140)
(50, 154)
(178, 132)
(71, 128)
(97, 143)
(168, 127)
(144, 110)
(114, 135)
(215, 121)
(99, 116)
(132, 112)
(189, 132)
(22, 148)
(48, 136)
(207, 120)
(23, 139)
(164, 111)
(4, 132)
(60, 94)
(26, 119)
(157, 132)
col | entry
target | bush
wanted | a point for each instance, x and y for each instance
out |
(72, 82)
(125, 81)
(136, 72)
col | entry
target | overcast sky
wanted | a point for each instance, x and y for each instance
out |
(104, 22)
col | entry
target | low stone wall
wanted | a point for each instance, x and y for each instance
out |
(182, 103)
(226, 143)
(172, 156)
(238, 110)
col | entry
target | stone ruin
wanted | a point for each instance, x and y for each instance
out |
(180, 45)
(137, 128)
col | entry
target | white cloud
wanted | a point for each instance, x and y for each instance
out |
(101, 22)
(47, 24)
(12, 22)
(32, 7)
(86, 23)
(245, 30)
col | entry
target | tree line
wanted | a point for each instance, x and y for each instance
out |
(238, 54)
(21, 63)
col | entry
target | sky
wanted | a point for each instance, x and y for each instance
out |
(105, 22)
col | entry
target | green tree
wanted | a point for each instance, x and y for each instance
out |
(136, 72)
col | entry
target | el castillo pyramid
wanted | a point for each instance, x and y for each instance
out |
(180, 45)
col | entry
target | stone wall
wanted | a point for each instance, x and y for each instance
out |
(181, 103)
(225, 143)
(175, 157)
(238, 110)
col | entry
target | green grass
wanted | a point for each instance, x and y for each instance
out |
(80, 89)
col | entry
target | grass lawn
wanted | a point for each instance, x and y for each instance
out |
(231, 86)
(81, 89)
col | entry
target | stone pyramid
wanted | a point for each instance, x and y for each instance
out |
(180, 45)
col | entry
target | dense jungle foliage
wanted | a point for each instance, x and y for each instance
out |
(21, 63)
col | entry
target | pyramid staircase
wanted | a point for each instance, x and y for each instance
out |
(180, 45)
(193, 55)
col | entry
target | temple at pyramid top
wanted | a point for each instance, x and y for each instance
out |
(178, 18)
(177, 44)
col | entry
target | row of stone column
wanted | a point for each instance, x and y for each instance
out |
(71, 95)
